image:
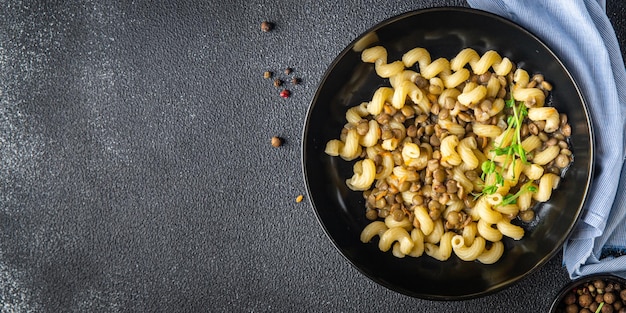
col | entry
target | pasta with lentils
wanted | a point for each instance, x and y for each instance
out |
(452, 152)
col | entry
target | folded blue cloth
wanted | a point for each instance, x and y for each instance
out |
(580, 33)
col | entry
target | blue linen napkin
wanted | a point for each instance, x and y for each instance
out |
(580, 33)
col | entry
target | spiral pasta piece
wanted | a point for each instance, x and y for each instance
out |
(472, 94)
(418, 243)
(493, 254)
(435, 68)
(372, 136)
(468, 253)
(409, 75)
(547, 183)
(533, 171)
(524, 201)
(410, 151)
(453, 128)
(521, 78)
(455, 79)
(546, 156)
(487, 231)
(438, 231)
(351, 148)
(381, 95)
(481, 64)
(391, 222)
(493, 87)
(448, 150)
(459, 176)
(400, 94)
(394, 234)
(440, 66)
(375, 228)
(531, 143)
(485, 212)
(333, 147)
(548, 114)
(451, 93)
(466, 56)
(416, 55)
(355, 114)
(443, 251)
(387, 165)
(507, 229)
(466, 151)
(405, 174)
(364, 174)
(378, 56)
(426, 223)
(486, 130)
(533, 97)
(469, 233)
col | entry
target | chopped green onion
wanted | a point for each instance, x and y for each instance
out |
(512, 152)
(599, 309)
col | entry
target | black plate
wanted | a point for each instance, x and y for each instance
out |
(341, 212)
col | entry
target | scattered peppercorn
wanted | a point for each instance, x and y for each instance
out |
(266, 26)
(281, 81)
(277, 141)
(299, 198)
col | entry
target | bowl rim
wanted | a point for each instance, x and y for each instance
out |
(579, 281)
(390, 20)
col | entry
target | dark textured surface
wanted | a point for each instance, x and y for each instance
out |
(136, 171)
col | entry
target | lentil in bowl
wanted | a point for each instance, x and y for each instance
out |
(598, 293)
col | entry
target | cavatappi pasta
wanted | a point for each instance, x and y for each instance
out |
(452, 156)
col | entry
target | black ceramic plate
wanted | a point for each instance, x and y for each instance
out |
(341, 212)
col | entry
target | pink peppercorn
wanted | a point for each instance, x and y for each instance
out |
(285, 93)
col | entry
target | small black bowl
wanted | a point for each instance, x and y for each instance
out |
(558, 306)
(341, 212)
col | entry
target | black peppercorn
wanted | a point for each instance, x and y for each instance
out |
(266, 26)
(277, 141)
